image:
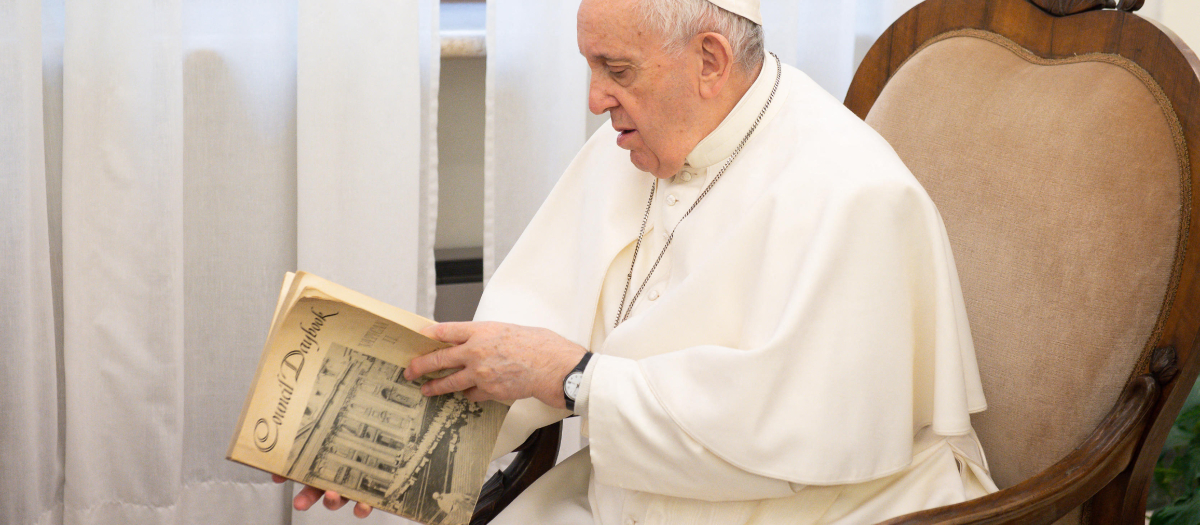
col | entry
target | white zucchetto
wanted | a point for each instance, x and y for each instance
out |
(746, 8)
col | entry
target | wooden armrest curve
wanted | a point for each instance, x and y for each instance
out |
(1067, 484)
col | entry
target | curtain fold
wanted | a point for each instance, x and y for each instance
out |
(366, 154)
(29, 406)
(358, 145)
(536, 111)
(123, 260)
(239, 236)
(431, 71)
(816, 37)
(827, 40)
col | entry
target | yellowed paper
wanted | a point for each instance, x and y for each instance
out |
(330, 407)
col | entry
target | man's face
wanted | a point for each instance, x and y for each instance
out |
(650, 95)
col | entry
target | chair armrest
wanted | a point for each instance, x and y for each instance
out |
(1067, 484)
(535, 456)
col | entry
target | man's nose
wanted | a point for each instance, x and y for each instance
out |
(599, 100)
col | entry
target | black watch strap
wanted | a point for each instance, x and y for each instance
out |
(579, 368)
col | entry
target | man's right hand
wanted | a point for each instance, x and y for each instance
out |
(308, 497)
(498, 361)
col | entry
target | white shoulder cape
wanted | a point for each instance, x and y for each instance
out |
(813, 321)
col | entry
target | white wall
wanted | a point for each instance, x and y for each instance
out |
(1180, 16)
(460, 154)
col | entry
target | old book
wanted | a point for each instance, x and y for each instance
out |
(329, 407)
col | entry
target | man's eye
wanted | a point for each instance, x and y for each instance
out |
(619, 72)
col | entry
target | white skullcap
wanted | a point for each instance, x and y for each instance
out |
(746, 8)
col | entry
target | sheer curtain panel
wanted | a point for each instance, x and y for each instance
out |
(359, 158)
(367, 182)
(239, 210)
(29, 393)
(149, 160)
(536, 103)
(827, 40)
(123, 290)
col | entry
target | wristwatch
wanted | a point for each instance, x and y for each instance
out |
(571, 383)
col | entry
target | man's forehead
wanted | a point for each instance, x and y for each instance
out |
(607, 58)
(610, 52)
(609, 30)
(608, 8)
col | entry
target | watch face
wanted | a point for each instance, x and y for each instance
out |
(571, 384)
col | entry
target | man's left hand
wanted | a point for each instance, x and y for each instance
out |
(498, 361)
(309, 496)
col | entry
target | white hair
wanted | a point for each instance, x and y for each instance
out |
(680, 20)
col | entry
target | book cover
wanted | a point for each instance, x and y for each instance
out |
(329, 407)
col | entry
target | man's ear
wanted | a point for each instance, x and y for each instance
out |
(716, 63)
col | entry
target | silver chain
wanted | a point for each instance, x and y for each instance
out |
(622, 312)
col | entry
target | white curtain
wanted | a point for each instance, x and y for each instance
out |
(825, 39)
(29, 394)
(163, 162)
(536, 104)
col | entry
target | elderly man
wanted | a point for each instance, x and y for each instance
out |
(756, 312)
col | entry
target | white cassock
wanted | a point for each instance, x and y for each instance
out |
(800, 355)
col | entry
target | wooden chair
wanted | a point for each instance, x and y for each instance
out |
(1057, 138)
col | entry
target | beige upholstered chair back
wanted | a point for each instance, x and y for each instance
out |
(1064, 187)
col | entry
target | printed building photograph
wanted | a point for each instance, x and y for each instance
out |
(370, 431)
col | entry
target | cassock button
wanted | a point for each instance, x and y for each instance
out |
(652, 295)
(687, 177)
(671, 200)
